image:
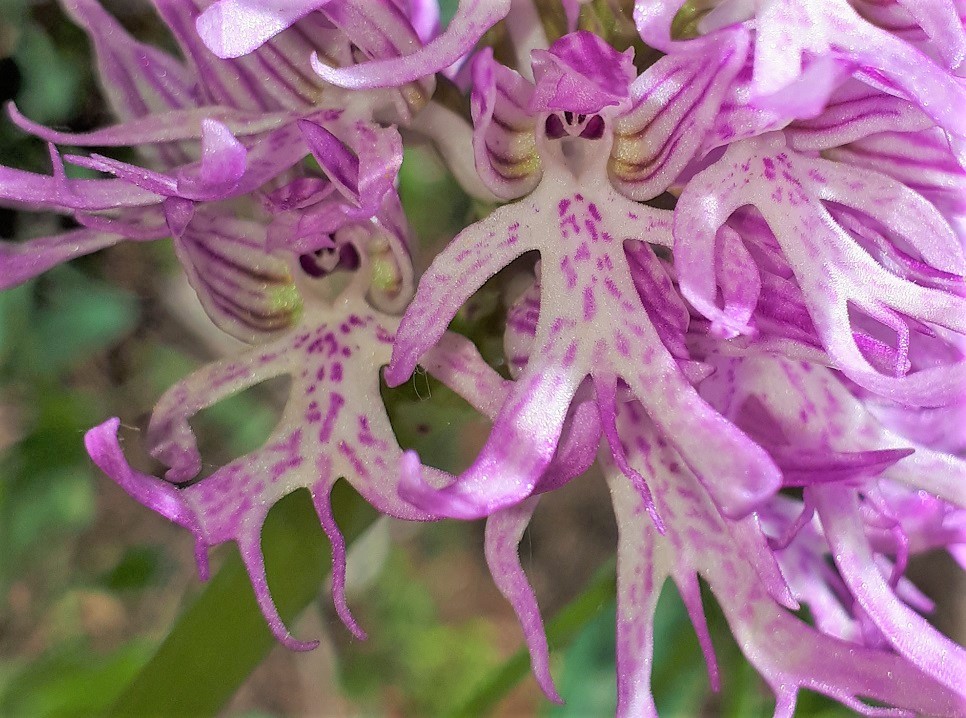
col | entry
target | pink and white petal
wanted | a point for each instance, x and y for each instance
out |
(643, 565)
(712, 447)
(472, 19)
(939, 24)
(922, 161)
(20, 261)
(520, 447)
(577, 448)
(909, 633)
(380, 151)
(340, 164)
(250, 547)
(790, 191)
(367, 455)
(784, 33)
(222, 164)
(474, 255)
(906, 213)
(504, 530)
(690, 590)
(169, 436)
(104, 448)
(231, 28)
(606, 390)
(709, 444)
(787, 652)
(581, 73)
(521, 329)
(899, 68)
(802, 467)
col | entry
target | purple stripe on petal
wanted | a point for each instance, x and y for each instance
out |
(472, 19)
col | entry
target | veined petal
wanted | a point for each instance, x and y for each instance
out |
(854, 112)
(943, 22)
(247, 291)
(922, 161)
(472, 19)
(674, 103)
(231, 28)
(504, 139)
(138, 80)
(581, 73)
(339, 163)
(274, 77)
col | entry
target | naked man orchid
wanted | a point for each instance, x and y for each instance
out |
(740, 233)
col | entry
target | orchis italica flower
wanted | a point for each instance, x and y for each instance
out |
(248, 126)
(607, 316)
(748, 304)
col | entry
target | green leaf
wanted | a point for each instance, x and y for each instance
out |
(222, 636)
(561, 630)
(139, 567)
(588, 678)
(51, 80)
(82, 317)
(70, 681)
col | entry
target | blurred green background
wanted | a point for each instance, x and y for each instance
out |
(100, 610)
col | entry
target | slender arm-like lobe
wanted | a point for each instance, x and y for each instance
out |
(474, 255)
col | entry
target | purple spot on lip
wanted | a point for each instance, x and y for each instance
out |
(594, 129)
(554, 127)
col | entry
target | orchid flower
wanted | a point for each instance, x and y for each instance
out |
(333, 425)
(747, 300)
(246, 131)
(804, 49)
(824, 215)
(592, 322)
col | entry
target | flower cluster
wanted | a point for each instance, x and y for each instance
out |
(749, 304)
